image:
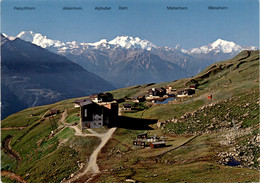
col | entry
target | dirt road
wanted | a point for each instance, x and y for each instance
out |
(92, 166)
(8, 149)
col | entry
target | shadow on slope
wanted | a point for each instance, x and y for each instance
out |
(133, 123)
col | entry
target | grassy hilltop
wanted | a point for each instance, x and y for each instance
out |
(202, 135)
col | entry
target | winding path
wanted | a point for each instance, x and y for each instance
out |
(92, 166)
(8, 149)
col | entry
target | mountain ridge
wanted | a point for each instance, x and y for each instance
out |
(35, 76)
(91, 56)
(117, 60)
(132, 42)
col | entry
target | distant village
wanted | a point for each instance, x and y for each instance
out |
(103, 110)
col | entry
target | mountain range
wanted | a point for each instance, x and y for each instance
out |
(37, 70)
(128, 42)
(126, 61)
(32, 76)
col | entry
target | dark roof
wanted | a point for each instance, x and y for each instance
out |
(86, 103)
(101, 95)
(94, 96)
(186, 91)
(157, 89)
(120, 100)
(142, 133)
(105, 95)
(127, 105)
(81, 100)
(161, 89)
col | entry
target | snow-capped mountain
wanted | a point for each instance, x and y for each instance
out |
(32, 76)
(220, 46)
(131, 42)
(127, 42)
(39, 39)
(120, 41)
(8, 37)
(106, 57)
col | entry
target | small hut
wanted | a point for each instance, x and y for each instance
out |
(127, 107)
(142, 136)
(157, 144)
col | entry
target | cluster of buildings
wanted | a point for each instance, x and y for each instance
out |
(168, 91)
(162, 93)
(143, 140)
(102, 109)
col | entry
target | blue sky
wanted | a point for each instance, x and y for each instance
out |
(147, 19)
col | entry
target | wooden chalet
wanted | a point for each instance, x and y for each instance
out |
(169, 89)
(127, 107)
(160, 92)
(185, 92)
(193, 87)
(142, 140)
(157, 144)
(142, 135)
(102, 97)
(139, 143)
(78, 101)
(121, 100)
(139, 99)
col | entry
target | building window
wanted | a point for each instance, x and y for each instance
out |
(86, 112)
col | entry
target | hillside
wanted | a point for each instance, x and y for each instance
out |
(207, 140)
(33, 76)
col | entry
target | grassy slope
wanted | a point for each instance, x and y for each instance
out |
(235, 96)
(222, 85)
(38, 151)
(194, 162)
(233, 80)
